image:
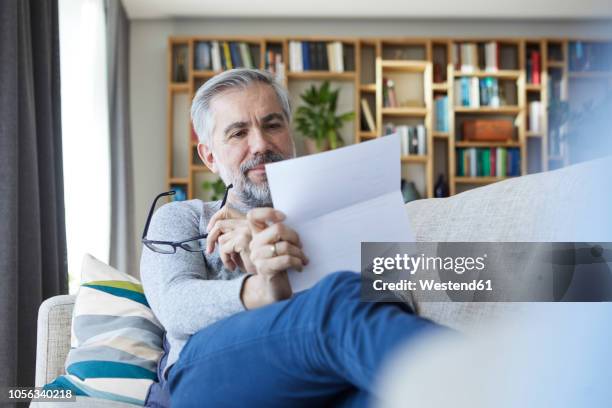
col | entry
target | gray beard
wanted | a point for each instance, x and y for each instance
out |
(255, 194)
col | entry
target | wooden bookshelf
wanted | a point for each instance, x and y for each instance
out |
(423, 69)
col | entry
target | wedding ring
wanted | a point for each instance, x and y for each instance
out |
(273, 249)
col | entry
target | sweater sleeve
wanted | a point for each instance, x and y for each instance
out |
(176, 285)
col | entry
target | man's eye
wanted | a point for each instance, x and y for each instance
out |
(274, 126)
(239, 134)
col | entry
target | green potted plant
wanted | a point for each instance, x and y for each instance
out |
(216, 189)
(317, 119)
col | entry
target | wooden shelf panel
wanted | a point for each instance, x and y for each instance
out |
(178, 87)
(178, 180)
(479, 180)
(403, 65)
(533, 87)
(441, 135)
(404, 111)
(489, 110)
(465, 143)
(205, 74)
(321, 75)
(414, 159)
(199, 168)
(367, 87)
(442, 86)
(504, 74)
(364, 134)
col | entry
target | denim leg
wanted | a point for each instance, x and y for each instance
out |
(302, 351)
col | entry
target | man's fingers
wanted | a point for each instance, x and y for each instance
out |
(279, 249)
(275, 233)
(279, 263)
(260, 218)
(227, 260)
(224, 213)
(231, 247)
(220, 227)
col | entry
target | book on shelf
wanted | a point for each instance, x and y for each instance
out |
(535, 114)
(245, 55)
(491, 52)
(441, 113)
(235, 54)
(202, 58)
(367, 113)
(226, 56)
(215, 57)
(389, 94)
(218, 56)
(320, 56)
(179, 69)
(533, 67)
(469, 56)
(274, 63)
(475, 92)
(413, 139)
(488, 162)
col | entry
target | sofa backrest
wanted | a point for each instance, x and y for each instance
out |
(556, 206)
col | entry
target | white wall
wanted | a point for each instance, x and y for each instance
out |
(148, 67)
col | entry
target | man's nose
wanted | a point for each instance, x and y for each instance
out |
(258, 143)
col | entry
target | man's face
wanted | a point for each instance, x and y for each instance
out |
(249, 131)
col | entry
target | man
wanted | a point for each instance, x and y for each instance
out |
(238, 336)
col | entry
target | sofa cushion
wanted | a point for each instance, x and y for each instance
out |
(116, 341)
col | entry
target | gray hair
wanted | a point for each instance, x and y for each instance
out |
(201, 115)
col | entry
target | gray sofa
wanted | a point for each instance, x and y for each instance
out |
(540, 207)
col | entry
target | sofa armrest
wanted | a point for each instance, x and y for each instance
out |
(53, 337)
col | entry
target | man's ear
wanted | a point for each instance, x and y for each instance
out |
(206, 154)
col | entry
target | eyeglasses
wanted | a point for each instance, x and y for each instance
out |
(193, 244)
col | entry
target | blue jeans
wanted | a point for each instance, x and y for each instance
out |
(322, 347)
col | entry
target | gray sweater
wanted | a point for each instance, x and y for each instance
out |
(187, 290)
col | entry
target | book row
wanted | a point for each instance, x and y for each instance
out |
(476, 92)
(222, 55)
(320, 56)
(413, 139)
(470, 57)
(534, 67)
(488, 162)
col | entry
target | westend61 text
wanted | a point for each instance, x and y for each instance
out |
(432, 285)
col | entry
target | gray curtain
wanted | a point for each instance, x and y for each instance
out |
(122, 244)
(32, 232)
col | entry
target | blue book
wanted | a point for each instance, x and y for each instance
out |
(236, 58)
(465, 91)
(202, 56)
(305, 56)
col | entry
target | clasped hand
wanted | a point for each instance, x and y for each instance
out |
(260, 244)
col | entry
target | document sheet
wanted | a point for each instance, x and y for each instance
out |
(337, 199)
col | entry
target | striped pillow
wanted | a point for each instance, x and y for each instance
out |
(116, 340)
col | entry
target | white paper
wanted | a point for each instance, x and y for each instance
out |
(335, 200)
